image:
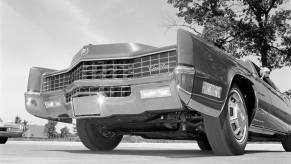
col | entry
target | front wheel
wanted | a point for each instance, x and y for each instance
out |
(228, 134)
(96, 137)
(203, 144)
(3, 140)
(286, 143)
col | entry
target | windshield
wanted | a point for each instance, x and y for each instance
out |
(257, 69)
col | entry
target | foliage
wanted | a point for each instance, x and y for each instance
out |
(75, 130)
(17, 120)
(242, 27)
(65, 132)
(50, 129)
(25, 125)
(288, 93)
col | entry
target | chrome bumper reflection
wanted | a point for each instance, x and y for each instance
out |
(54, 105)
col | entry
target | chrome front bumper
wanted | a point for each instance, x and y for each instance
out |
(11, 134)
(90, 106)
(11, 130)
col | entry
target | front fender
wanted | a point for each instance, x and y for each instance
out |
(213, 69)
(34, 79)
(34, 102)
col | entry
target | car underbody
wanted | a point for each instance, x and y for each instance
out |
(171, 125)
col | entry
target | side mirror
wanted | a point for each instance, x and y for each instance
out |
(265, 72)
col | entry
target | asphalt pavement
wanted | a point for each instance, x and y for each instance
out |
(44, 152)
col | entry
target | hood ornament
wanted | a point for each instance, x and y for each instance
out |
(84, 51)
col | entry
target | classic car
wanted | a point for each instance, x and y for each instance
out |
(9, 130)
(188, 91)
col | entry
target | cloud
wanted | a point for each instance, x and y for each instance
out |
(61, 20)
(128, 21)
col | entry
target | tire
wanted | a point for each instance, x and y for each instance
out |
(286, 143)
(3, 140)
(204, 145)
(228, 134)
(94, 138)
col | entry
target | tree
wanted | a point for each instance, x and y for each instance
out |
(25, 125)
(17, 120)
(65, 132)
(288, 93)
(242, 27)
(50, 129)
(75, 132)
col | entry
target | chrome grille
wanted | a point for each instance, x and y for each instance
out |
(149, 65)
(108, 91)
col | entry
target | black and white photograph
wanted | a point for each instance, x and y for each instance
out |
(145, 81)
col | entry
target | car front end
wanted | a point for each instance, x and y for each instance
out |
(11, 130)
(142, 79)
(179, 92)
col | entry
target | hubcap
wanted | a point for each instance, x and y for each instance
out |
(237, 116)
(105, 133)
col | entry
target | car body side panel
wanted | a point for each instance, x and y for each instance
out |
(261, 118)
(212, 66)
(34, 79)
(280, 109)
(267, 113)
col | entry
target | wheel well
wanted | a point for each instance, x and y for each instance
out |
(245, 86)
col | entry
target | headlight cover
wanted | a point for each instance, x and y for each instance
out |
(156, 92)
(184, 76)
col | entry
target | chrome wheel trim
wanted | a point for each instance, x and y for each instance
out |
(237, 116)
(105, 133)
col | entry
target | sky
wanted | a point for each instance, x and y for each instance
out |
(48, 34)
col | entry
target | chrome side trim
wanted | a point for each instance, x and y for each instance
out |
(203, 108)
(259, 129)
(218, 101)
(184, 95)
(32, 93)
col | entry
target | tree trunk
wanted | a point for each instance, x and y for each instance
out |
(264, 54)
(264, 59)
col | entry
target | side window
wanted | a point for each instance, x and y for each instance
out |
(267, 80)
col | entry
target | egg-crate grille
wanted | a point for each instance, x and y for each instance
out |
(149, 65)
(107, 91)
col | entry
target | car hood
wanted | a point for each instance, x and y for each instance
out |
(107, 51)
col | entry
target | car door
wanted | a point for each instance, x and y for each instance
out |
(264, 103)
(280, 112)
(264, 100)
(261, 118)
